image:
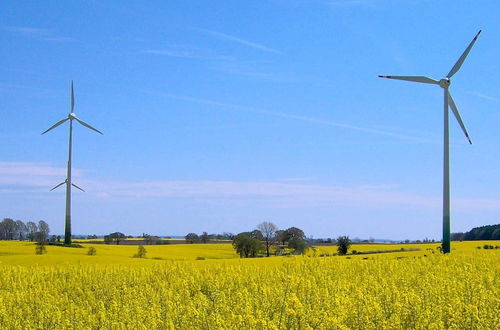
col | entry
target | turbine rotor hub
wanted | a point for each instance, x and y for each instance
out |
(445, 83)
(72, 116)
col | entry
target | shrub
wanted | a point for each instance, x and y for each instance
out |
(141, 252)
(91, 251)
(40, 249)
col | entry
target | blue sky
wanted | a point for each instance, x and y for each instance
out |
(220, 115)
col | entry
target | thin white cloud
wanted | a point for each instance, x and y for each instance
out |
(241, 41)
(188, 53)
(222, 63)
(58, 39)
(27, 30)
(313, 120)
(484, 96)
(273, 194)
(32, 176)
(37, 33)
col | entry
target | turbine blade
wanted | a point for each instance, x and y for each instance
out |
(55, 125)
(420, 79)
(74, 185)
(87, 125)
(453, 107)
(461, 60)
(72, 97)
(58, 185)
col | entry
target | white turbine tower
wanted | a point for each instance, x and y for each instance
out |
(448, 102)
(71, 117)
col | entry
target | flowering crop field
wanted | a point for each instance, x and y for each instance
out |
(66, 288)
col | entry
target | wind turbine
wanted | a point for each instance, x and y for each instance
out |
(68, 182)
(448, 102)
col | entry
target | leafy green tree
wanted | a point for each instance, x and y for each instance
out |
(298, 245)
(257, 234)
(191, 238)
(294, 237)
(116, 237)
(226, 235)
(343, 244)
(204, 238)
(246, 246)
(150, 239)
(496, 234)
(281, 237)
(293, 232)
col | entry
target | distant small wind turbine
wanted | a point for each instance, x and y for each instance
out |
(448, 102)
(71, 117)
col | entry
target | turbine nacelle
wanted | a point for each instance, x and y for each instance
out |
(444, 83)
(72, 116)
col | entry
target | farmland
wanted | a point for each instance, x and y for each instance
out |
(171, 289)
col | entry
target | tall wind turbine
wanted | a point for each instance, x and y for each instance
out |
(448, 102)
(68, 182)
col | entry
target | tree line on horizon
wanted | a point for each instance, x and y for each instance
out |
(18, 230)
(483, 233)
(266, 232)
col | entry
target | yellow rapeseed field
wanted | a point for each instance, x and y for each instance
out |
(170, 289)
